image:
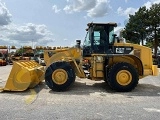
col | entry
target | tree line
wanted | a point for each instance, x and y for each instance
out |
(144, 27)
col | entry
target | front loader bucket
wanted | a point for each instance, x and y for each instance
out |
(24, 75)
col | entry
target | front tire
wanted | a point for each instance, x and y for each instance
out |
(123, 77)
(59, 76)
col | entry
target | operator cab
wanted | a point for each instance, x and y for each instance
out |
(99, 39)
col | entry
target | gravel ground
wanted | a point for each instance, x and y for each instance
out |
(85, 100)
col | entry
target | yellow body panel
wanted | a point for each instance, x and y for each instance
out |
(145, 55)
(24, 75)
(98, 66)
(155, 71)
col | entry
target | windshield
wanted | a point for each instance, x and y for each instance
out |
(87, 41)
(111, 35)
(96, 38)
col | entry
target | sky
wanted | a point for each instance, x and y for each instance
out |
(60, 22)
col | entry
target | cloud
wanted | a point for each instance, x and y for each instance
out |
(68, 9)
(126, 12)
(12, 34)
(79, 5)
(26, 34)
(155, 1)
(148, 4)
(5, 16)
(55, 8)
(65, 39)
(93, 8)
(117, 30)
(132, 11)
(101, 9)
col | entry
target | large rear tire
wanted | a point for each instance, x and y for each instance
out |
(123, 77)
(59, 76)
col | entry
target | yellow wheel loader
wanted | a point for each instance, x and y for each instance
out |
(104, 57)
(119, 64)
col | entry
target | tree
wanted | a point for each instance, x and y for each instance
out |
(135, 29)
(154, 26)
(144, 25)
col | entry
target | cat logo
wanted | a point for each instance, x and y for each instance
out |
(119, 50)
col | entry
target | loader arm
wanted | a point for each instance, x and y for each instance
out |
(71, 55)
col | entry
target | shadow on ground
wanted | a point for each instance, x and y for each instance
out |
(86, 88)
(37, 89)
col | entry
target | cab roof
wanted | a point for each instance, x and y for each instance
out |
(103, 24)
